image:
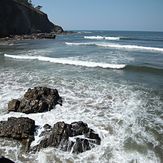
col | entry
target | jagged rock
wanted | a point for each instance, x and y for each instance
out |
(75, 137)
(47, 129)
(38, 99)
(5, 160)
(21, 129)
(81, 145)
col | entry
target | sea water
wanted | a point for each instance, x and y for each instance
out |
(111, 80)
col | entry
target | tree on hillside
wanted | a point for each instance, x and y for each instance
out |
(38, 7)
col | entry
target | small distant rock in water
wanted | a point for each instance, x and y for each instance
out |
(5, 160)
(76, 137)
(36, 100)
(21, 129)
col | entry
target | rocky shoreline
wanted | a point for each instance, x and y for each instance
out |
(76, 137)
(34, 36)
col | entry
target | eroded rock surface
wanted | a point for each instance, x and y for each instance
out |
(17, 128)
(36, 100)
(76, 137)
(21, 129)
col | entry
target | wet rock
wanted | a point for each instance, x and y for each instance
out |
(47, 127)
(76, 137)
(21, 129)
(5, 160)
(13, 105)
(36, 100)
(81, 145)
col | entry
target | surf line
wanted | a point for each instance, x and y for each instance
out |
(68, 61)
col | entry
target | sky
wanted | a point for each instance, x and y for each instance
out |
(132, 15)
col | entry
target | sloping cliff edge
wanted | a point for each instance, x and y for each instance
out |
(19, 19)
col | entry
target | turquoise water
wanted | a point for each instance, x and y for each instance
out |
(111, 80)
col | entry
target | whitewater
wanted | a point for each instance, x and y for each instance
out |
(117, 46)
(101, 38)
(68, 61)
(114, 85)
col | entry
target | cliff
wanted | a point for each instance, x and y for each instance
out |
(17, 19)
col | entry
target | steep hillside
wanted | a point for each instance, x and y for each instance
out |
(17, 18)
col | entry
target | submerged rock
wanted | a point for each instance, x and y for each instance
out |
(21, 129)
(36, 100)
(75, 137)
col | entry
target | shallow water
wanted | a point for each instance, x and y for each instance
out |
(123, 105)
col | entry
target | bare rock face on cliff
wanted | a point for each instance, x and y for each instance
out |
(17, 18)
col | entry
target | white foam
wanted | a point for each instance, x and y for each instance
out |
(101, 38)
(79, 43)
(112, 110)
(112, 38)
(131, 47)
(119, 46)
(68, 61)
(89, 101)
(94, 37)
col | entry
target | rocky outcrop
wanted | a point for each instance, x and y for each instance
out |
(36, 100)
(21, 129)
(33, 36)
(76, 137)
(17, 18)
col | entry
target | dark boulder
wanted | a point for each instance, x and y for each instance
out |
(21, 129)
(75, 137)
(36, 100)
(5, 160)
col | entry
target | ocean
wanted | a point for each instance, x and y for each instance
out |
(111, 80)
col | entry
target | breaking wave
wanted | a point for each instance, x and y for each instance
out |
(68, 61)
(119, 46)
(101, 38)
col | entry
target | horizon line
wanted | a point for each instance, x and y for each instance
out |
(112, 30)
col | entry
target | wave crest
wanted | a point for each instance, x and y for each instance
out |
(119, 46)
(69, 62)
(101, 38)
